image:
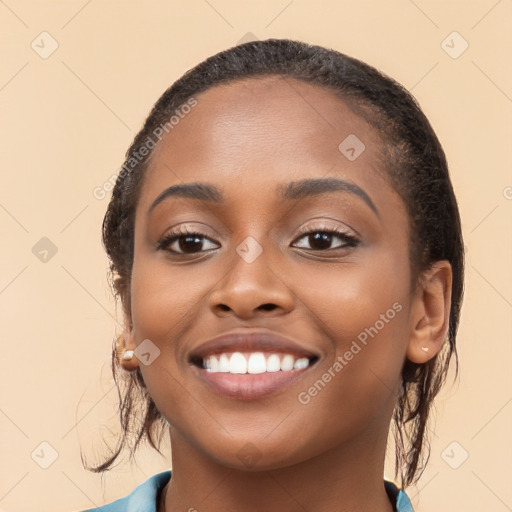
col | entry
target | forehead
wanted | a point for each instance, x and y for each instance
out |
(265, 117)
(265, 128)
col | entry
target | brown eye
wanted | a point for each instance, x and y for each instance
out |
(189, 243)
(186, 242)
(321, 240)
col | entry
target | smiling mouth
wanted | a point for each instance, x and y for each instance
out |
(252, 363)
(251, 375)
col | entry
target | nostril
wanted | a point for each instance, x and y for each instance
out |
(268, 307)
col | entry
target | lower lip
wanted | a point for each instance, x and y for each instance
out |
(249, 386)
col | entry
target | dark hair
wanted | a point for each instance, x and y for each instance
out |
(413, 161)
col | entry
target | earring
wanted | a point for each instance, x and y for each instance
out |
(128, 354)
(425, 349)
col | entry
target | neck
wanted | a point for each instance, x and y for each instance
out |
(346, 478)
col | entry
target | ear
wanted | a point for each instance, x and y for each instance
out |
(430, 313)
(127, 340)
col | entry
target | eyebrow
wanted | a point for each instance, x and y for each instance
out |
(294, 190)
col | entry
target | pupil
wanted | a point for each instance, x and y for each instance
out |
(185, 245)
(320, 240)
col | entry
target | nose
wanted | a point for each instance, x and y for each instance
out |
(252, 289)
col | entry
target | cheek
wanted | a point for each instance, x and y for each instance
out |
(164, 308)
(347, 299)
(363, 309)
(165, 299)
(355, 387)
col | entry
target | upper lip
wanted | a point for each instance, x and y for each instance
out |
(253, 341)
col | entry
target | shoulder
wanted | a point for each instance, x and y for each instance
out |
(141, 499)
(398, 497)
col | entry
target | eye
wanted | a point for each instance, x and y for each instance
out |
(186, 241)
(321, 239)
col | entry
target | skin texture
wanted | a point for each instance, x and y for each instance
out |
(247, 138)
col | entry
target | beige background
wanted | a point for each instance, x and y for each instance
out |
(66, 123)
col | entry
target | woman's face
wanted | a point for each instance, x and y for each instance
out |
(263, 261)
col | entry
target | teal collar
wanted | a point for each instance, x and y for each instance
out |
(144, 497)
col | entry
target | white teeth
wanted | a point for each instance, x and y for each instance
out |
(256, 363)
(253, 363)
(214, 364)
(223, 363)
(287, 363)
(273, 363)
(301, 363)
(237, 363)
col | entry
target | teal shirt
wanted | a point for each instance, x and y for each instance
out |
(143, 498)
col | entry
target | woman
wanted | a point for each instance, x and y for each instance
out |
(286, 245)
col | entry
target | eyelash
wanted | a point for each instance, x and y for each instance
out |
(184, 231)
